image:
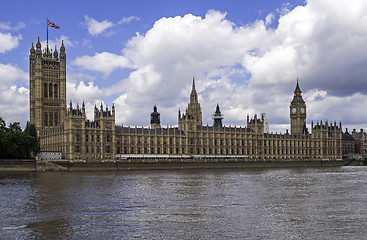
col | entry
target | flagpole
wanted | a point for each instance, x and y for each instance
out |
(47, 30)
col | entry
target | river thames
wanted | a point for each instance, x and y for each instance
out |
(294, 203)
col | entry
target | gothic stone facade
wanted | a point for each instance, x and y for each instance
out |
(47, 85)
(67, 129)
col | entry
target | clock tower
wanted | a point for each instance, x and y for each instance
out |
(298, 112)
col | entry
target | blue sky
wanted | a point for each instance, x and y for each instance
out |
(245, 55)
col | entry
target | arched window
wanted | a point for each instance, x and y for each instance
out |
(50, 91)
(56, 119)
(45, 90)
(51, 119)
(45, 116)
(55, 91)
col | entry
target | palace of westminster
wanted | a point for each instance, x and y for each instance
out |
(68, 131)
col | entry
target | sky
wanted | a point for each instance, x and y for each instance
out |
(245, 55)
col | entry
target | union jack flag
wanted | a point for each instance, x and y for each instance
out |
(52, 24)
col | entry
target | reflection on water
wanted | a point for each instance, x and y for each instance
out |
(311, 203)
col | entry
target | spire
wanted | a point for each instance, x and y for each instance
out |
(193, 95)
(297, 98)
(38, 44)
(62, 48)
(217, 110)
(32, 48)
(56, 53)
(297, 91)
(217, 117)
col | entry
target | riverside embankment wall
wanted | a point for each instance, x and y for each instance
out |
(17, 165)
(161, 164)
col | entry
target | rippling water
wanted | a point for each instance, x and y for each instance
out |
(310, 203)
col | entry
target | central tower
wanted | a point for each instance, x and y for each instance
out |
(193, 116)
(297, 110)
(47, 86)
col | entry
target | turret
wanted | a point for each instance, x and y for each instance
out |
(38, 49)
(38, 45)
(62, 48)
(56, 54)
(32, 51)
(217, 117)
(47, 52)
(256, 124)
(155, 121)
(62, 52)
(83, 108)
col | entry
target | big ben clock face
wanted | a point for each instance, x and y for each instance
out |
(302, 110)
(294, 110)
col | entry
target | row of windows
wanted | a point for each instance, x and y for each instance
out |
(176, 150)
(50, 90)
(91, 149)
(252, 151)
(50, 119)
(77, 137)
(216, 142)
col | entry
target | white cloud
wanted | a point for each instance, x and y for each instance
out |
(285, 9)
(14, 104)
(87, 93)
(8, 42)
(10, 74)
(319, 41)
(322, 43)
(6, 26)
(269, 19)
(58, 41)
(103, 62)
(128, 19)
(96, 28)
(175, 50)
(82, 92)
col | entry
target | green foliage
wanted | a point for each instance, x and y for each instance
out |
(15, 143)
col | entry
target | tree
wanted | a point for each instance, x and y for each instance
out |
(15, 127)
(2, 135)
(2, 125)
(32, 140)
(15, 143)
